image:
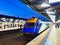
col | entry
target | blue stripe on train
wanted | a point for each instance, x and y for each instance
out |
(28, 30)
(33, 30)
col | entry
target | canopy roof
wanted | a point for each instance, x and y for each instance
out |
(15, 8)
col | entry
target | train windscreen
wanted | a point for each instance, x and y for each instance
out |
(29, 25)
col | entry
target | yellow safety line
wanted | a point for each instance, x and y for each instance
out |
(38, 39)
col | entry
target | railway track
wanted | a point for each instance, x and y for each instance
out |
(12, 38)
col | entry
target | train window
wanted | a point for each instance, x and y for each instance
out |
(29, 25)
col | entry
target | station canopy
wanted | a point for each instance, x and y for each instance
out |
(18, 9)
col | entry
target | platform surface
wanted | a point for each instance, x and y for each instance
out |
(49, 37)
(6, 29)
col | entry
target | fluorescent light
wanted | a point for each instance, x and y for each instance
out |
(58, 21)
(49, 12)
(16, 20)
(2, 18)
(53, 1)
(11, 20)
(45, 5)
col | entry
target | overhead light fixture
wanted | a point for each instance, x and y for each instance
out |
(58, 21)
(45, 5)
(11, 20)
(16, 20)
(50, 12)
(53, 1)
(2, 18)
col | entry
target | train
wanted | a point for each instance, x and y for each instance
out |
(31, 28)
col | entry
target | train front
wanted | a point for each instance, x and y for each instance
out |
(31, 27)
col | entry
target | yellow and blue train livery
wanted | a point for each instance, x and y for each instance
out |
(32, 26)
